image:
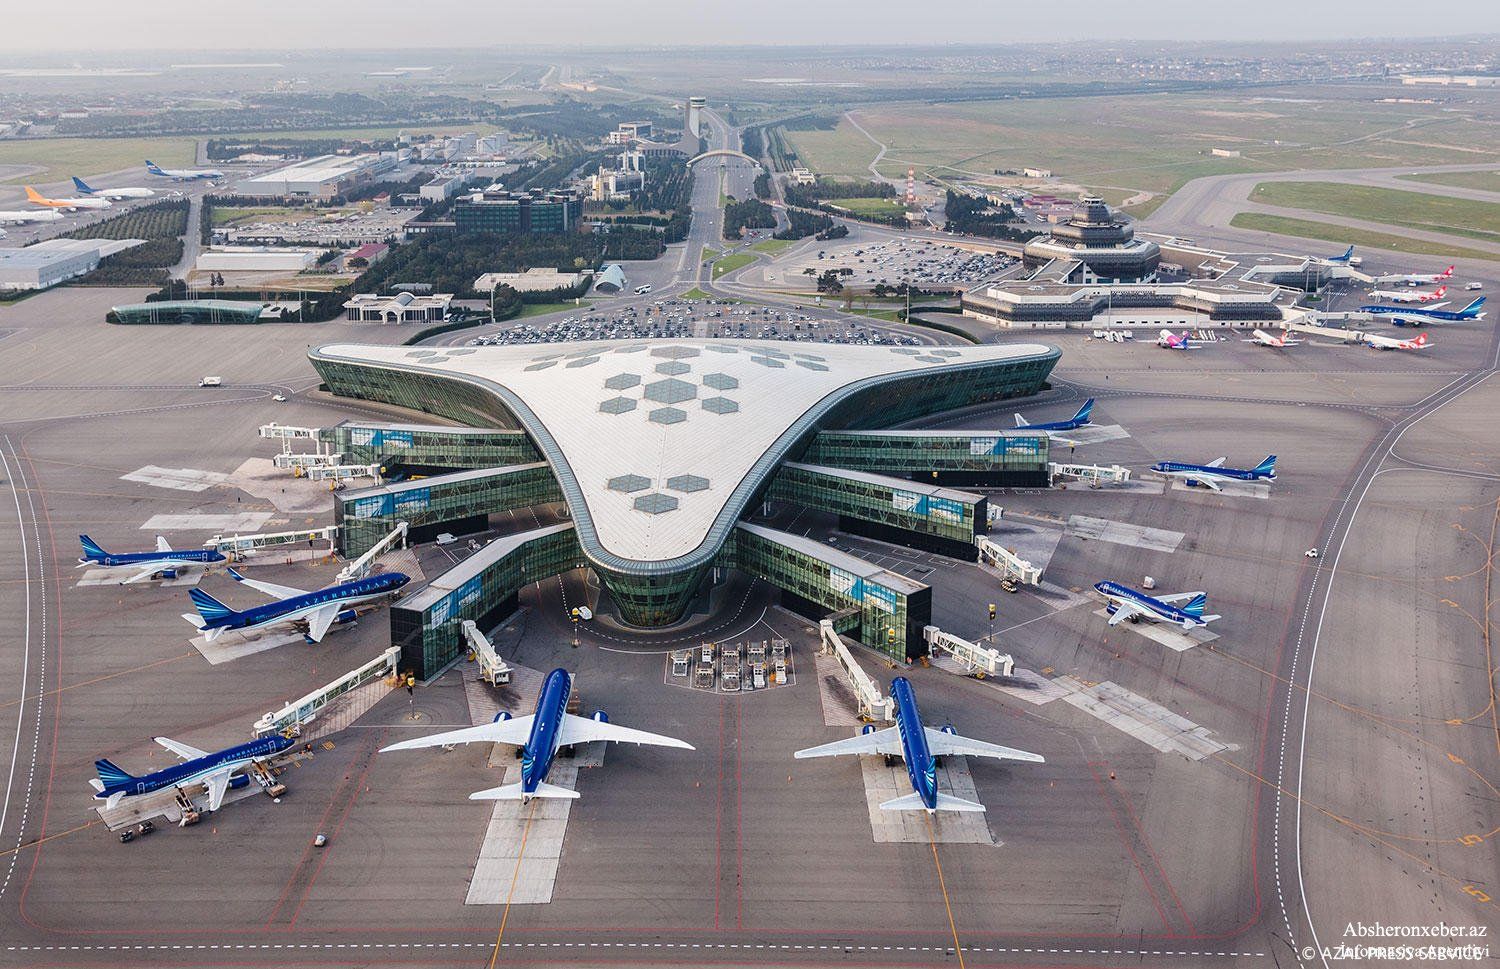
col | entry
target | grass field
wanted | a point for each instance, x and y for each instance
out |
(733, 261)
(1149, 142)
(1484, 181)
(867, 206)
(541, 309)
(1305, 229)
(1410, 210)
(61, 157)
(233, 216)
(773, 246)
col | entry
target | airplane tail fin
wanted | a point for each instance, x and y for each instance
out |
(32, 195)
(111, 775)
(1267, 467)
(1021, 421)
(152, 167)
(945, 802)
(1420, 341)
(91, 548)
(1347, 254)
(1084, 411)
(1195, 606)
(212, 610)
(1473, 306)
(513, 792)
(82, 186)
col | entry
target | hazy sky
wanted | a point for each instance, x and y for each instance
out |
(256, 24)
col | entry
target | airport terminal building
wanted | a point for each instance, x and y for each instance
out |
(652, 454)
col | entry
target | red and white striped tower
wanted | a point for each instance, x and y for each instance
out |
(911, 186)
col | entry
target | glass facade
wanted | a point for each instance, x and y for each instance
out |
(891, 608)
(507, 212)
(427, 624)
(1008, 459)
(940, 513)
(190, 311)
(429, 446)
(459, 502)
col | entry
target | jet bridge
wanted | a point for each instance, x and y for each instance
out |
(494, 670)
(240, 544)
(1010, 565)
(1093, 474)
(286, 433)
(360, 567)
(287, 461)
(291, 718)
(975, 659)
(872, 704)
(341, 472)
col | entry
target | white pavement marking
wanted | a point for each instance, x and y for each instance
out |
(883, 783)
(1123, 533)
(1147, 721)
(232, 645)
(178, 479)
(1090, 435)
(1172, 637)
(838, 947)
(1229, 489)
(245, 523)
(118, 577)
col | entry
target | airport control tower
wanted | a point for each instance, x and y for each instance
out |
(694, 123)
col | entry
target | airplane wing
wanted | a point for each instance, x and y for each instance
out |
(941, 743)
(1124, 609)
(162, 545)
(581, 730)
(142, 575)
(1216, 463)
(319, 622)
(269, 588)
(218, 785)
(1208, 482)
(185, 751)
(887, 741)
(1179, 597)
(503, 732)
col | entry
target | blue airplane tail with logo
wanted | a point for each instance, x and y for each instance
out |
(152, 168)
(1348, 254)
(212, 610)
(1195, 606)
(82, 186)
(91, 548)
(1472, 310)
(110, 775)
(1083, 412)
(1266, 468)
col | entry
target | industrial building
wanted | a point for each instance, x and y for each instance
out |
(1095, 247)
(229, 259)
(501, 211)
(728, 426)
(55, 261)
(539, 279)
(323, 177)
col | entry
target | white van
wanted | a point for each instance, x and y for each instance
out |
(211, 382)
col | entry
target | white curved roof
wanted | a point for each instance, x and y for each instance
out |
(659, 433)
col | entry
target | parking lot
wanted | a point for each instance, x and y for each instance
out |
(872, 261)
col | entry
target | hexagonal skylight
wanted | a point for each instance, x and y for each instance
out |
(687, 483)
(675, 353)
(628, 483)
(768, 362)
(810, 365)
(581, 362)
(670, 391)
(673, 367)
(720, 405)
(622, 381)
(720, 381)
(617, 405)
(667, 415)
(655, 503)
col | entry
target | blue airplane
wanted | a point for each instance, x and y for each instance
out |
(540, 735)
(314, 612)
(1417, 316)
(1080, 419)
(1127, 603)
(164, 561)
(920, 746)
(1213, 472)
(1341, 260)
(215, 771)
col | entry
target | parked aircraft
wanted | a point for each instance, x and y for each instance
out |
(30, 215)
(164, 561)
(312, 612)
(1416, 279)
(1170, 342)
(1410, 295)
(111, 193)
(67, 205)
(540, 735)
(920, 746)
(1341, 260)
(1414, 315)
(1127, 603)
(215, 771)
(1080, 419)
(183, 174)
(1267, 340)
(1212, 473)
(1378, 342)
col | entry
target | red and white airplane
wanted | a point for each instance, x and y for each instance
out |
(1391, 343)
(1410, 295)
(1168, 341)
(1416, 279)
(1265, 339)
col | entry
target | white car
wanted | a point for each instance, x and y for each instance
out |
(1311, 553)
(280, 398)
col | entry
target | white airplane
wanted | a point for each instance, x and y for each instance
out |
(1416, 279)
(182, 174)
(32, 215)
(67, 205)
(110, 193)
(1267, 340)
(1410, 295)
(1378, 342)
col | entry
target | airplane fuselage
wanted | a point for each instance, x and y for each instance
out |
(297, 607)
(1194, 472)
(546, 729)
(165, 559)
(194, 771)
(1163, 610)
(921, 768)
